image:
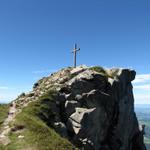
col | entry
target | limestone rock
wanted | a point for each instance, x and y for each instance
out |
(100, 111)
(70, 107)
(61, 128)
(94, 110)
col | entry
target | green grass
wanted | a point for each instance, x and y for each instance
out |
(2, 147)
(99, 69)
(37, 134)
(4, 108)
(108, 73)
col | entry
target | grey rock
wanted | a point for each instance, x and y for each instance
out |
(105, 118)
(61, 128)
(86, 81)
(78, 97)
(70, 107)
(93, 110)
(75, 119)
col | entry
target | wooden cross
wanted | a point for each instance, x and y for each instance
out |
(75, 54)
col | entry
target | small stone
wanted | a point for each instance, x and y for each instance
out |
(20, 137)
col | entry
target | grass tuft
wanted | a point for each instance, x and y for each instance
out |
(108, 73)
(4, 109)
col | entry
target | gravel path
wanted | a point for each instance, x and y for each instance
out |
(6, 127)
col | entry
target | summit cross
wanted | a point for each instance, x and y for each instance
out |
(75, 54)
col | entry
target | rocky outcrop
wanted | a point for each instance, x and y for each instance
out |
(96, 109)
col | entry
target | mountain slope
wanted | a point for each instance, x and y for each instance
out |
(36, 134)
(86, 107)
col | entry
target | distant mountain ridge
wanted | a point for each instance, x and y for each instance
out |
(143, 115)
(142, 105)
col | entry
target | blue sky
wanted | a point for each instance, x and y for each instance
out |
(36, 37)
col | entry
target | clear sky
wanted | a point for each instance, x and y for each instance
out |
(36, 38)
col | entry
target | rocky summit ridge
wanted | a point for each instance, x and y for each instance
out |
(92, 107)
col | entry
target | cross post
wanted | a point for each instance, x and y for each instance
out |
(75, 54)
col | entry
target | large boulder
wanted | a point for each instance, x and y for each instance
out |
(100, 111)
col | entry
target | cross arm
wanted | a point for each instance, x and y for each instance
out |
(75, 50)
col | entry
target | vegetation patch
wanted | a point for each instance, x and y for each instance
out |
(37, 134)
(108, 73)
(4, 109)
(99, 69)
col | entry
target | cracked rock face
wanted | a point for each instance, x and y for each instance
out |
(95, 110)
(99, 111)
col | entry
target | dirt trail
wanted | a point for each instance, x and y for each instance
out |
(6, 125)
